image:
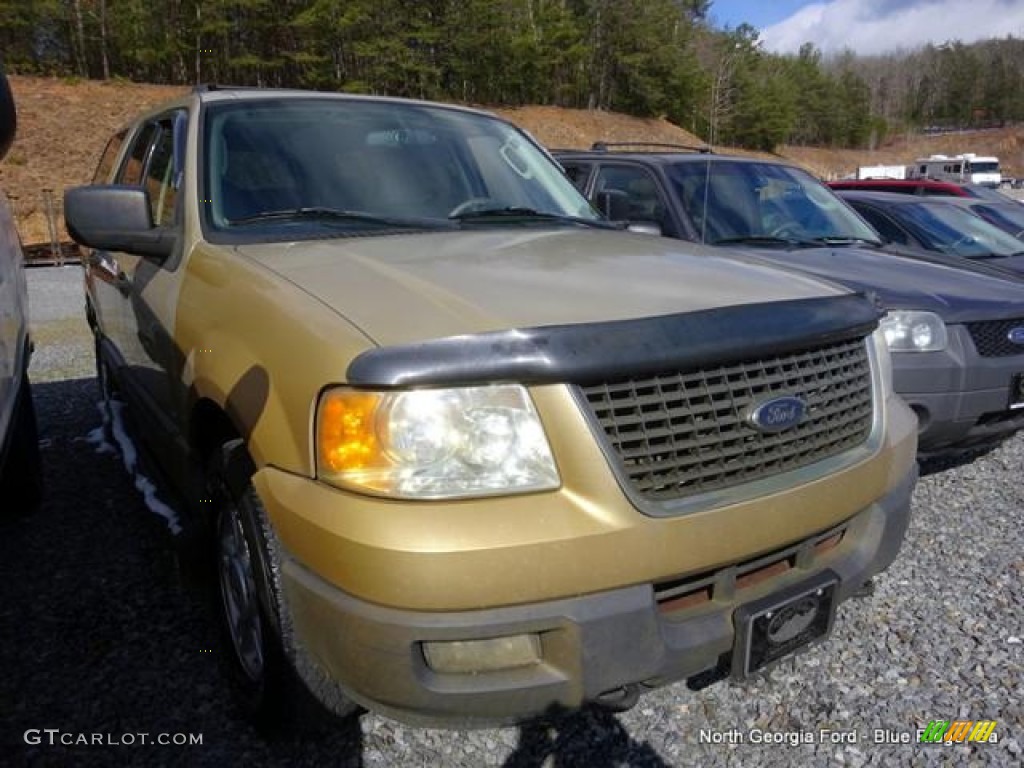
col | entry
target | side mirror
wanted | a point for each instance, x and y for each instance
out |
(645, 228)
(115, 217)
(8, 116)
(614, 204)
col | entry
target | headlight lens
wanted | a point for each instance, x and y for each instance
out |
(914, 331)
(434, 443)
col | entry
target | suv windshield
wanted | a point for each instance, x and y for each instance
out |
(951, 229)
(295, 166)
(761, 202)
(1008, 217)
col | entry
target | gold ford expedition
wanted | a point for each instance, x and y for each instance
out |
(464, 452)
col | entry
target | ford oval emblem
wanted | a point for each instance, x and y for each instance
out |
(777, 414)
(1016, 335)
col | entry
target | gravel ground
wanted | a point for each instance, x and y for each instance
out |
(98, 634)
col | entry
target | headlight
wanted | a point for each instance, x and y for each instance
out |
(434, 443)
(913, 331)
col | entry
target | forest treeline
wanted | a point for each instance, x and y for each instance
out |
(641, 57)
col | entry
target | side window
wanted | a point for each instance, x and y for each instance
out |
(578, 174)
(160, 181)
(150, 163)
(135, 163)
(108, 160)
(645, 201)
(887, 229)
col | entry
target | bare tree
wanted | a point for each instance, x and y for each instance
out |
(103, 40)
(79, 35)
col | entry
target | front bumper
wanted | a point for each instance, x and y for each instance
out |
(962, 400)
(592, 647)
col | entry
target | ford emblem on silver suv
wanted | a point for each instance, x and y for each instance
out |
(1016, 335)
(777, 414)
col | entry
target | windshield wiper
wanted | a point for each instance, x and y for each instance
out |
(839, 240)
(515, 212)
(803, 242)
(337, 214)
(767, 240)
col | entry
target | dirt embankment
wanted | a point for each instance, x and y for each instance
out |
(63, 126)
(62, 129)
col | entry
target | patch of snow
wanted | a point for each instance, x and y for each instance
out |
(98, 436)
(113, 418)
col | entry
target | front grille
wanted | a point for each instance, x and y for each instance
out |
(992, 338)
(681, 434)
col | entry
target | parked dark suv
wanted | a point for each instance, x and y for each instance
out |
(956, 328)
(958, 226)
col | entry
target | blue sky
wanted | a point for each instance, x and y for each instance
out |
(871, 26)
(758, 13)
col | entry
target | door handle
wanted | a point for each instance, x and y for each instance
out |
(123, 283)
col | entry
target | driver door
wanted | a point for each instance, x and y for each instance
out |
(146, 289)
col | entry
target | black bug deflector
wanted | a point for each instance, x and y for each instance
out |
(596, 351)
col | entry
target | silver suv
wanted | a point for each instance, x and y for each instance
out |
(20, 476)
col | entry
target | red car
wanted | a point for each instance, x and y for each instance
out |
(925, 187)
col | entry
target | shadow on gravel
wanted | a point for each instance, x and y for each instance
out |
(593, 737)
(105, 649)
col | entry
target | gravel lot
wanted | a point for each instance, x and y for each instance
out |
(98, 635)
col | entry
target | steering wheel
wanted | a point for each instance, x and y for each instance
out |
(785, 230)
(473, 204)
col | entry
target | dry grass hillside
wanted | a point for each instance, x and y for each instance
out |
(64, 125)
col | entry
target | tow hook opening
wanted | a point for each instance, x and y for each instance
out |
(709, 677)
(619, 699)
(867, 589)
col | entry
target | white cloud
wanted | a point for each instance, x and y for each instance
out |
(877, 26)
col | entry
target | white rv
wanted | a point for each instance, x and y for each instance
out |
(964, 168)
(882, 172)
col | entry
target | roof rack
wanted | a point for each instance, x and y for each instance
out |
(208, 87)
(604, 146)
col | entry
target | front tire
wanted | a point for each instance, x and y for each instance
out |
(251, 609)
(240, 608)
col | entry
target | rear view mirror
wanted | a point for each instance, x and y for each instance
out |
(8, 116)
(115, 217)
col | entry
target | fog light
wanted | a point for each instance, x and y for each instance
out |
(469, 656)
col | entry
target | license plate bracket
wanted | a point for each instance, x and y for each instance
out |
(783, 623)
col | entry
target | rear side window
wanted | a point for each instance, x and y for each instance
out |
(887, 229)
(578, 174)
(108, 160)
